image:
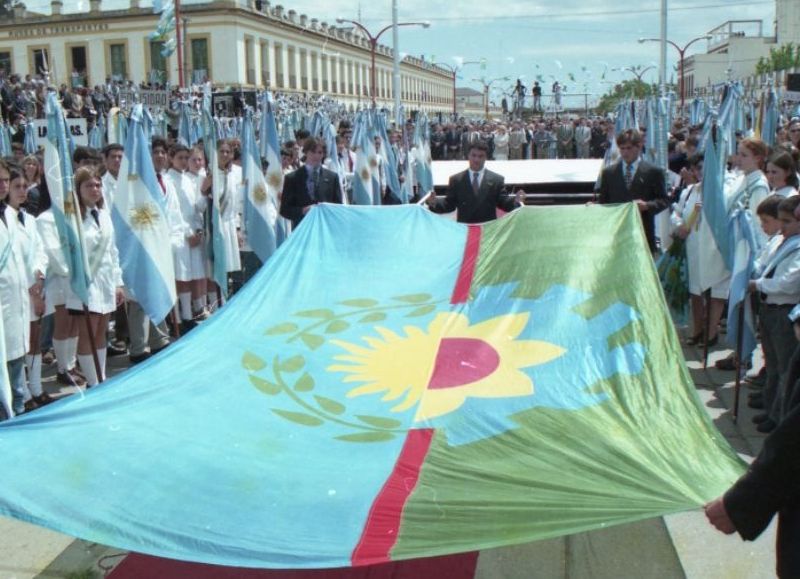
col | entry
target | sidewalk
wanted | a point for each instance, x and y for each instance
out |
(676, 546)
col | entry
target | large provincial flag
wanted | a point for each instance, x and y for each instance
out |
(365, 405)
(141, 229)
(260, 210)
(66, 214)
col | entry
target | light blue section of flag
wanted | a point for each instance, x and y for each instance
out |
(715, 208)
(769, 124)
(219, 270)
(184, 457)
(29, 144)
(422, 155)
(59, 177)
(362, 175)
(185, 135)
(745, 247)
(5, 141)
(260, 214)
(141, 228)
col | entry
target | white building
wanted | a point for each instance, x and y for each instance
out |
(736, 46)
(232, 42)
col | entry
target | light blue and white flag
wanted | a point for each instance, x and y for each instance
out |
(5, 141)
(745, 246)
(422, 156)
(363, 193)
(271, 151)
(389, 157)
(218, 179)
(65, 207)
(117, 131)
(184, 126)
(140, 227)
(769, 123)
(715, 207)
(30, 145)
(260, 210)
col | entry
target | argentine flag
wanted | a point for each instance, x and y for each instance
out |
(271, 151)
(217, 242)
(141, 229)
(260, 213)
(362, 177)
(745, 246)
(58, 173)
(422, 156)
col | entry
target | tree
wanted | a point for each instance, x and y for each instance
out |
(781, 58)
(631, 88)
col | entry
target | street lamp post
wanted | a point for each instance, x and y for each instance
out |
(681, 54)
(454, 70)
(486, 86)
(637, 71)
(373, 45)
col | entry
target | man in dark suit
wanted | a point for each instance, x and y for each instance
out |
(634, 179)
(476, 192)
(771, 484)
(309, 185)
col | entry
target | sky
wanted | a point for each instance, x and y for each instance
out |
(548, 39)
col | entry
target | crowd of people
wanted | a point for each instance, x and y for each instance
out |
(581, 138)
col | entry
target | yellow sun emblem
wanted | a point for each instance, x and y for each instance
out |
(144, 216)
(69, 206)
(440, 368)
(260, 194)
(364, 174)
(373, 162)
(275, 179)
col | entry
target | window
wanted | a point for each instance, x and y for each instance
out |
(78, 61)
(158, 64)
(199, 59)
(5, 62)
(41, 61)
(119, 65)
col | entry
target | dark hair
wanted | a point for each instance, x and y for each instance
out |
(302, 134)
(629, 137)
(177, 148)
(82, 175)
(789, 204)
(694, 159)
(157, 142)
(784, 160)
(108, 149)
(758, 147)
(287, 153)
(82, 154)
(480, 146)
(769, 206)
(311, 144)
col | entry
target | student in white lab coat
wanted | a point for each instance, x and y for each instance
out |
(105, 290)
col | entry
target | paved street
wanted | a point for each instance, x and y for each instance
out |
(680, 545)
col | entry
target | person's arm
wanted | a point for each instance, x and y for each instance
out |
(786, 279)
(449, 202)
(289, 207)
(771, 482)
(658, 200)
(603, 192)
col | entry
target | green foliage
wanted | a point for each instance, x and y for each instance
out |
(782, 58)
(630, 88)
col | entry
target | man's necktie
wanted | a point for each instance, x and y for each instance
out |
(476, 182)
(96, 216)
(161, 182)
(628, 175)
(21, 217)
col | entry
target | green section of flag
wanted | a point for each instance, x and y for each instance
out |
(646, 450)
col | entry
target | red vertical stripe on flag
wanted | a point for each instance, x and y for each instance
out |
(383, 522)
(464, 282)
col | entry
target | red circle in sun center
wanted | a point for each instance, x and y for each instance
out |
(461, 361)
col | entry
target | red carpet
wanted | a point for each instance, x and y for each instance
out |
(461, 566)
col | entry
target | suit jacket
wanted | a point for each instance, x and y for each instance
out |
(649, 184)
(296, 196)
(474, 208)
(771, 484)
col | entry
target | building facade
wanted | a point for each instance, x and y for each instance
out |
(236, 43)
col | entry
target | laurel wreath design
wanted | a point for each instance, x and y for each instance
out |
(287, 376)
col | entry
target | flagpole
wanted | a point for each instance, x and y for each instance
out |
(396, 68)
(737, 386)
(179, 42)
(663, 60)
